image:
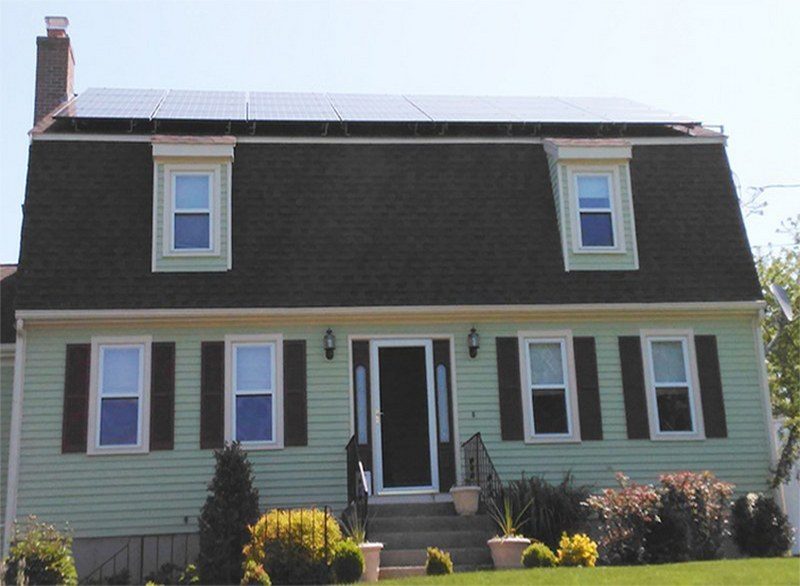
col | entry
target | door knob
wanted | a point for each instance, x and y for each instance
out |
(378, 415)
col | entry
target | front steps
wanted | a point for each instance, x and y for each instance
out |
(408, 529)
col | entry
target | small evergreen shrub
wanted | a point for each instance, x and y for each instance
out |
(538, 555)
(578, 550)
(760, 529)
(255, 575)
(169, 574)
(40, 554)
(348, 563)
(228, 511)
(438, 563)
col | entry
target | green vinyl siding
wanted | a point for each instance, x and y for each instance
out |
(191, 263)
(6, 391)
(565, 210)
(152, 493)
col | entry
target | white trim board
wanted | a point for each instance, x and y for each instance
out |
(12, 480)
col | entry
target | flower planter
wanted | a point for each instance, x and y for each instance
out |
(507, 551)
(372, 561)
(465, 499)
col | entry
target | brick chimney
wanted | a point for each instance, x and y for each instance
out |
(55, 67)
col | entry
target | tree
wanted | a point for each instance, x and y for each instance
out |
(783, 360)
(228, 511)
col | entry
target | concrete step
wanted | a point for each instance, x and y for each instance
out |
(424, 539)
(480, 523)
(461, 556)
(387, 573)
(411, 510)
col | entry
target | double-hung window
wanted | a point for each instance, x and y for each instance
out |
(192, 212)
(549, 388)
(672, 390)
(596, 222)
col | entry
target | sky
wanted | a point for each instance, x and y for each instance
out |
(735, 64)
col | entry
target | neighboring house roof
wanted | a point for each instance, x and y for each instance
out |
(8, 289)
(415, 223)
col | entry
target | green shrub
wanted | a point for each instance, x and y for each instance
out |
(169, 574)
(438, 563)
(578, 550)
(538, 555)
(760, 529)
(255, 574)
(42, 554)
(228, 511)
(348, 563)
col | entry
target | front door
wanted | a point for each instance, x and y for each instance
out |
(404, 435)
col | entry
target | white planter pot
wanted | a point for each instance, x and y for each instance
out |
(372, 561)
(465, 499)
(507, 551)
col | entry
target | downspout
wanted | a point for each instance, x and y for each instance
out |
(14, 439)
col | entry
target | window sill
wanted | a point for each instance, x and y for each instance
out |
(678, 436)
(190, 253)
(599, 250)
(118, 451)
(260, 446)
(553, 440)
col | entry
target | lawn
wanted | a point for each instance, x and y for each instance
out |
(725, 572)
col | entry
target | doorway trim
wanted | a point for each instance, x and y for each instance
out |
(377, 440)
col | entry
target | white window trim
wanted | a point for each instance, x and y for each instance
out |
(93, 446)
(686, 337)
(565, 338)
(215, 199)
(209, 209)
(617, 225)
(276, 340)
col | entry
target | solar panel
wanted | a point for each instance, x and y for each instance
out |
(203, 105)
(376, 108)
(542, 109)
(113, 103)
(460, 109)
(290, 106)
(622, 110)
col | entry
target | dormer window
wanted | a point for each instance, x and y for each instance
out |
(596, 214)
(191, 212)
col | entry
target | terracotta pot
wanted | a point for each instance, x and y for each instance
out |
(507, 551)
(372, 561)
(465, 499)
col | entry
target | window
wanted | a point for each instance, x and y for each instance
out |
(191, 222)
(672, 390)
(119, 401)
(361, 402)
(443, 403)
(548, 392)
(595, 210)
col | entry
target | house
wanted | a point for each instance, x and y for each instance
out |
(570, 278)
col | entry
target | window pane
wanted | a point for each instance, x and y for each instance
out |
(596, 229)
(593, 192)
(361, 403)
(119, 422)
(443, 403)
(192, 231)
(674, 413)
(549, 411)
(120, 371)
(191, 192)
(546, 367)
(254, 418)
(668, 365)
(253, 368)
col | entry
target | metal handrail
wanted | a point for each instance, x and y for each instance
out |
(479, 469)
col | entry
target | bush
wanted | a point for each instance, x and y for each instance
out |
(438, 563)
(577, 550)
(255, 574)
(170, 573)
(555, 509)
(348, 563)
(42, 554)
(292, 546)
(538, 555)
(760, 529)
(228, 511)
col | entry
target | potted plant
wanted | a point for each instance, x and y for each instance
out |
(507, 547)
(465, 498)
(355, 528)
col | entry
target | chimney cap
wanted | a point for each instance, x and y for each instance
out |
(56, 26)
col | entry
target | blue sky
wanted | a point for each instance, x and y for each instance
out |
(731, 63)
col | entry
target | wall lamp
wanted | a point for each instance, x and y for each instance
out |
(329, 344)
(473, 343)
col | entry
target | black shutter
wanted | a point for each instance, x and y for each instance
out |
(446, 450)
(509, 389)
(162, 396)
(212, 395)
(630, 354)
(76, 398)
(295, 419)
(710, 386)
(591, 420)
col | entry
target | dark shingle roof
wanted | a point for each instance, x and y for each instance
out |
(377, 225)
(8, 289)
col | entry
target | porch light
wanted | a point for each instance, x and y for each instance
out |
(473, 343)
(329, 344)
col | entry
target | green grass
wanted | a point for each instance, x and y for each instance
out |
(724, 572)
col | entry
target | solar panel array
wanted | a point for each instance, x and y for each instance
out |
(303, 107)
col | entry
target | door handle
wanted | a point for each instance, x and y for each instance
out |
(378, 415)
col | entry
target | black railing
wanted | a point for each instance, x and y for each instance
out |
(140, 553)
(357, 486)
(479, 469)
